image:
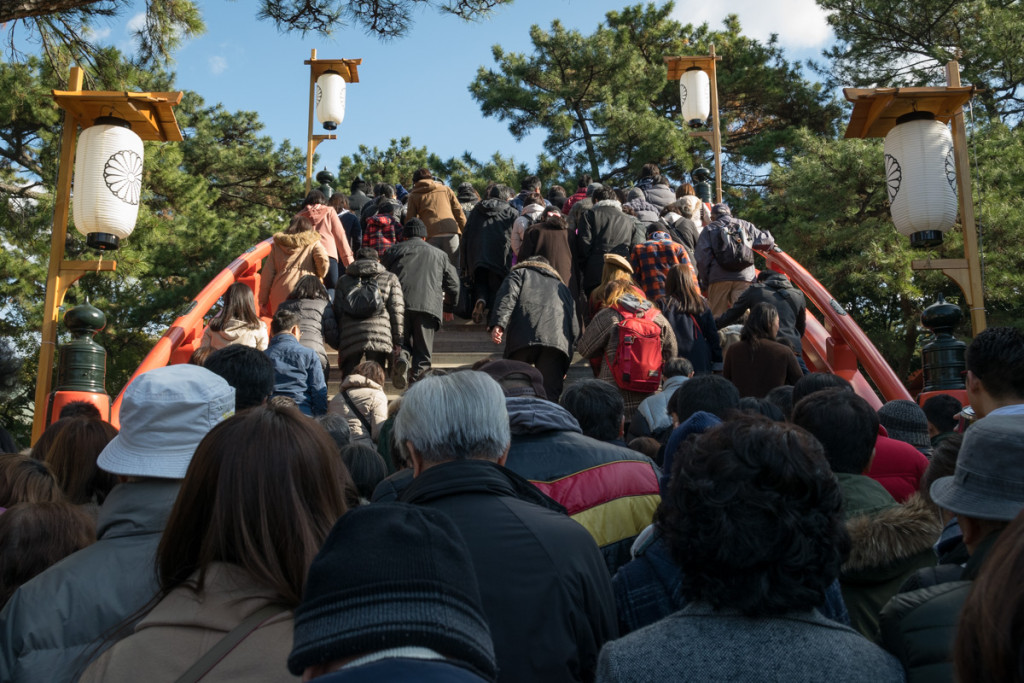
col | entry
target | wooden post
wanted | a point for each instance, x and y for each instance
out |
(61, 274)
(716, 131)
(310, 144)
(975, 292)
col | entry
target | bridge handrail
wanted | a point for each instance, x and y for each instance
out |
(845, 343)
(185, 333)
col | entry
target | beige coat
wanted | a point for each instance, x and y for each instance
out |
(437, 206)
(369, 398)
(185, 625)
(291, 257)
(332, 234)
(236, 332)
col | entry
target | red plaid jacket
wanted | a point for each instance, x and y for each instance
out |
(652, 259)
(381, 232)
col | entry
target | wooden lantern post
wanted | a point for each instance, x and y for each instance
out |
(349, 70)
(875, 111)
(676, 67)
(151, 118)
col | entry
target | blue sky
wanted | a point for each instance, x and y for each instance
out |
(417, 86)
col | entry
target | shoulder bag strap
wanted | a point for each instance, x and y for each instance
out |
(359, 413)
(696, 327)
(228, 643)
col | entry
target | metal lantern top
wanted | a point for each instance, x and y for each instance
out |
(149, 114)
(876, 110)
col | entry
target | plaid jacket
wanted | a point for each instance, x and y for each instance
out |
(381, 232)
(652, 259)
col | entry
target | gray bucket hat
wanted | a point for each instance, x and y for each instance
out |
(166, 412)
(989, 479)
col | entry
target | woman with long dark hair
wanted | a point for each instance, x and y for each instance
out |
(758, 363)
(690, 316)
(260, 496)
(316, 317)
(237, 321)
(72, 458)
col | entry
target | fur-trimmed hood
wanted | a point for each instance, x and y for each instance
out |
(885, 540)
(541, 267)
(295, 241)
(609, 202)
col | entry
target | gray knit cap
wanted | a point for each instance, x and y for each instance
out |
(392, 575)
(905, 421)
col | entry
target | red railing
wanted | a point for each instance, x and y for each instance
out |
(839, 346)
(184, 335)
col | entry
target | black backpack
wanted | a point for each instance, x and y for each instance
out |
(363, 300)
(732, 246)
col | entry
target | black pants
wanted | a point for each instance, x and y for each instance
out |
(419, 340)
(552, 364)
(348, 363)
(331, 279)
(486, 284)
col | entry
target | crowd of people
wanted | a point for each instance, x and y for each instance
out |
(698, 510)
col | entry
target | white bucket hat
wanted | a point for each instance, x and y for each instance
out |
(166, 412)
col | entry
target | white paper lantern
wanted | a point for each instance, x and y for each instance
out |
(921, 178)
(107, 182)
(330, 99)
(695, 96)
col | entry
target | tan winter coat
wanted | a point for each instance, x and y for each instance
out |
(437, 206)
(371, 401)
(291, 257)
(236, 332)
(185, 625)
(332, 234)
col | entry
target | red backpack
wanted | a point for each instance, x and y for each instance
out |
(637, 365)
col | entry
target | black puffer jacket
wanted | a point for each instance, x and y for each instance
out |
(535, 308)
(425, 273)
(604, 229)
(317, 324)
(777, 290)
(487, 237)
(380, 332)
(532, 562)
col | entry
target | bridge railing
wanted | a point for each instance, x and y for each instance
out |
(839, 345)
(182, 338)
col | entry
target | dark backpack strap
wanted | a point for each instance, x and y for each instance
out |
(359, 413)
(228, 643)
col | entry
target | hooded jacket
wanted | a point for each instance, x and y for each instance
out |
(371, 402)
(777, 290)
(659, 195)
(185, 625)
(652, 416)
(532, 562)
(888, 544)
(380, 332)
(487, 239)
(437, 206)
(528, 216)
(535, 308)
(53, 623)
(236, 332)
(601, 338)
(332, 235)
(602, 230)
(610, 490)
(708, 270)
(291, 257)
(425, 274)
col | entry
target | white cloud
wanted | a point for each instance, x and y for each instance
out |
(800, 24)
(95, 34)
(137, 23)
(218, 65)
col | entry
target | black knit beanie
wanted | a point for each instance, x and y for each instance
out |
(392, 575)
(905, 421)
(414, 227)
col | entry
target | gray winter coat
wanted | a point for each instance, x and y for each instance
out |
(55, 620)
(535, 308)
(700, 644)
(708, 270)
(380, 332)
(317, 324)
(660, 195)
(425, 274)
